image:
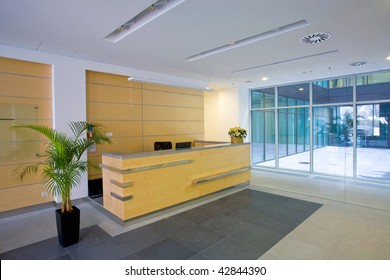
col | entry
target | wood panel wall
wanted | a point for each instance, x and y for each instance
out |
(26, 93)
(139, 114)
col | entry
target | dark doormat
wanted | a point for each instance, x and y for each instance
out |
(241, 226)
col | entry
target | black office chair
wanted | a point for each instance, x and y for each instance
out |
(162, 145)
(183, 145)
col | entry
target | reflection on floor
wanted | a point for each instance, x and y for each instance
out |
(243, 225)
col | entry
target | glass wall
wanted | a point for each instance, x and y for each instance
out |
(332, 140)
(337, 126)
(372, 129)
(293, 121)
(263, 125)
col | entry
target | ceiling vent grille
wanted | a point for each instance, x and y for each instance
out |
(315, 38)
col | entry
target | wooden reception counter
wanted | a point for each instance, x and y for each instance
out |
(137, 184)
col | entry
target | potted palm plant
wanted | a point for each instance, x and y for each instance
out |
(62, 168)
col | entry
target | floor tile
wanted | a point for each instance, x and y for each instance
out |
(296, 215)
(302, 205)
(43, 250)
(198, 257)
(224, 224)
(167, 249)
(63, 257)
(139, 238)
(89, 236)
(246, 214)
(198, 238)
(220, 206)
(197, 215)
(261, 206)
(277, 223)
(250, 194)
(231, 249)
(131, 257)
(171, 225)
(108, 249)
(259, 237)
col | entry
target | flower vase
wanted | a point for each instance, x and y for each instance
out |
(237, 140)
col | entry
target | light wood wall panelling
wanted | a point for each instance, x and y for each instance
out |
(123, 128)
(12, 85)
(172, 114)
(172, 99)
(113, 111)
(163, 88)
(156, 128)
(115, 103)
(12, 179)
(113, 94)
(24, 86)
(21, 67)
(139, 114)
(130, 145)
(22, 196)
(110, 79)
(153, 113)
(44, 106)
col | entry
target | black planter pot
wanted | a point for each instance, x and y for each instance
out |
(68, 226)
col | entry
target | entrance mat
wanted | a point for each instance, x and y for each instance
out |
(240, 226)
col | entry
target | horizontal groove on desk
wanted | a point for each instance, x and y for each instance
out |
(220, 175)
(121, 198)
(147, 167)
(121, 185)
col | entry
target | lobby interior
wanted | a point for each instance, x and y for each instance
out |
(311, 92)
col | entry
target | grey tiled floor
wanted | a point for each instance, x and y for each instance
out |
(243, 225)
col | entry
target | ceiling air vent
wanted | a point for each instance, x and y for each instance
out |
(315, 38)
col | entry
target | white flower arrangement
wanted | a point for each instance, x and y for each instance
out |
(238, 132)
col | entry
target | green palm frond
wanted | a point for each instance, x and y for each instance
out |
(22, 172)
(62, 167)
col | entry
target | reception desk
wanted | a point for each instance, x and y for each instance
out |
(138, 184)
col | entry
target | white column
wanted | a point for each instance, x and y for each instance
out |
(69, 104)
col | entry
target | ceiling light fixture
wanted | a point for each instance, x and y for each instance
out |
(388, 58)
(358, 63)
(265, 35)
(315, 38)
(285, 61)
(209, 88)
(159, 82)
(264, 78)
(149, 14)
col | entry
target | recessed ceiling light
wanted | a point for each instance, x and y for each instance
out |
(315, 38)
(285, 61)
(301, 89)
(264, 78)
(388, 58)
(150, 13)
(249, 40)
(358, 63)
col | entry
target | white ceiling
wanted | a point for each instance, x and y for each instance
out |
(360, 31)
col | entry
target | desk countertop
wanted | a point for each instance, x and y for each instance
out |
(167, 152)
